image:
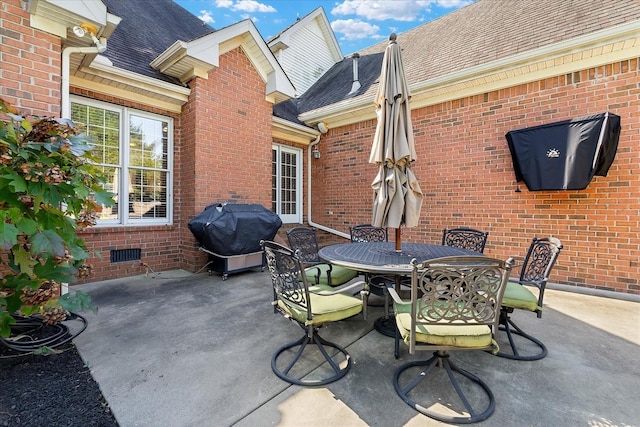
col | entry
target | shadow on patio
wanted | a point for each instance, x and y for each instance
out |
(178, 349)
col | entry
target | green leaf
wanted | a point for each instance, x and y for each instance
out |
(8, 235)
(14, 215)
(6, 320)
(28, 310)
(26, 125)
(79, 146)
(27, 226)
(52, 271)
(18, 183)
(77, 301)
(47, 242)
(104, 198)
(23, 259)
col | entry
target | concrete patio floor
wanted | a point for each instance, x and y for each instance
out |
(178, 349)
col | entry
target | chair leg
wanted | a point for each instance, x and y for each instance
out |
(510, 328)
(318, 343)
(441, 359)
(396, 344)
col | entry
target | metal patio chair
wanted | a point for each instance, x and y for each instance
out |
(455, 305)
(465, 238)
(304, 239)
(310, 307)
(534, 274)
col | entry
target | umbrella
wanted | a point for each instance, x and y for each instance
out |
(397, 194)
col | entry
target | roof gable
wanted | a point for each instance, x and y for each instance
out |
(306, 49)
(185, 60)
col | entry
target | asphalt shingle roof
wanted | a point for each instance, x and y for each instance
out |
(477, 34)
(147, 29)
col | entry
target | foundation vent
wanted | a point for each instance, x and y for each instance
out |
(121, 255)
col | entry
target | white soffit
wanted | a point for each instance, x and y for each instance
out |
(56, 16)
(293, 132)
(102, 77)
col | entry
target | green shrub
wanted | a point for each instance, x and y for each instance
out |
(49, 189)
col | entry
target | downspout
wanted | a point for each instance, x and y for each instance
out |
(309, 198)
(100, 46)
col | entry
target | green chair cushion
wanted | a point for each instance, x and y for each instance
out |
(326, 308)
(518, 296)
(339, 275)
(469, 336)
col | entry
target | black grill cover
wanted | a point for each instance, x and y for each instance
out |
(564, 155)
(234, 229)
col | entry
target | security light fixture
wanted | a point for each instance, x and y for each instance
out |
(82, 30)
(79, 31)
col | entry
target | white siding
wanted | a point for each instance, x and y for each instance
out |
(307, 58)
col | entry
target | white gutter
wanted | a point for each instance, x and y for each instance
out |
(66, 57)
(309, 220)
(66, 105)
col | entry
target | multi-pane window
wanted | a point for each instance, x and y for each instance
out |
(286, 183)
(133, 150)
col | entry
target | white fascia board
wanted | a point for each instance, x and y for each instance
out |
(134, 83)
(575, 45)
(170, 102)
(334, 46)
(242, 34)
(183, 51)
(43, 24)
(136, 79)
(293, 132)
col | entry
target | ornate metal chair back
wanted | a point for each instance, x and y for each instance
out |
(540, 259)
(304, 240)
(465, 238)
(459, 290)
(368, 233)
(285, 269)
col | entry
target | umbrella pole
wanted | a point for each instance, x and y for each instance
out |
(398, 239)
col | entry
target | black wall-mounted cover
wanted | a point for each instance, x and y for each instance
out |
(564, 155)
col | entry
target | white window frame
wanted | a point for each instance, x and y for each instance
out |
(123, 180)
(288, 218)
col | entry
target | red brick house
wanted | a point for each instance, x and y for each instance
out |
(188, 116)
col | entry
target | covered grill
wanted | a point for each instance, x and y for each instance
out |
(230, 234)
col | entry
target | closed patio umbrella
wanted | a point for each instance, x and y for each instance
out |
(397, 194)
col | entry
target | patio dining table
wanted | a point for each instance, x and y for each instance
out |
(382, 258)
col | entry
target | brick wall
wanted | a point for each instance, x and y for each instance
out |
(227, 147)
(30, 62)
(222, 143)
(466, 174)
(222, 146)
